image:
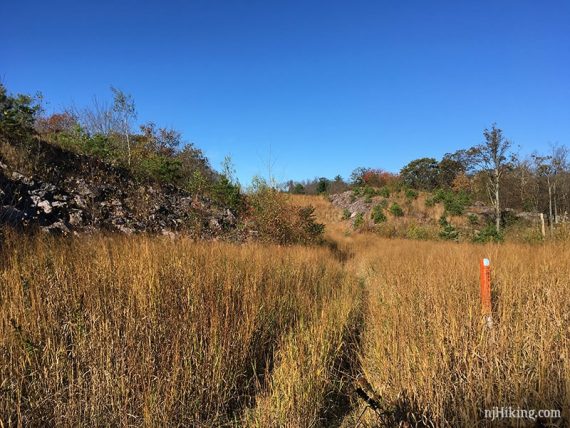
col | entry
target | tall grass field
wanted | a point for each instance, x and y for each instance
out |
(147, 331)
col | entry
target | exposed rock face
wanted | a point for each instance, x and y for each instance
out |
(487, 212)
(529, 216)
(78, 193)
(347, 200)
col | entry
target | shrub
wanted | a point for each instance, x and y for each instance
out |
(368, 199)
(384, 192)
(457, 205)
(411, 194)
(358, 220)
(228, 193)
(448, 231)
(453, 202)
(197, 183)
(473, 219)
(417, 232)
(365, 191)
(160, 168)
(346, 214)
(100, 146)
(396, 210)
(277, 220)
(488, 234)
(387, 230)
(430, 202)
(509, 218)
(369, 192)
(378, 215)
(309, 230)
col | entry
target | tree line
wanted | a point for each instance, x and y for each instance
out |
(148, 152)
(491, 172)
(107, 130)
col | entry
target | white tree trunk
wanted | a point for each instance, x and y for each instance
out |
(550, 216)
(497, 202)
(128, 143)
(554, 194)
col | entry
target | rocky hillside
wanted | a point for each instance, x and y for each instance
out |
(424, 215)
(67, 193)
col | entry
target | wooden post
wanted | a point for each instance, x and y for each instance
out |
(485, 276)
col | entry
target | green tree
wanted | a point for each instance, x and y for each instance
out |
(227, 189)
(298, 189)
(192, 159)
(17, 115)
(322, 185)
(448, 169)
(420, 174)
(357, 176)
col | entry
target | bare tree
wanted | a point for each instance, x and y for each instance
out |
(543, 168)
(552, 167)
(491, 156)
(525, 183)
(98, 118)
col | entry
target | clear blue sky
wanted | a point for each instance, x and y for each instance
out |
(325, 86)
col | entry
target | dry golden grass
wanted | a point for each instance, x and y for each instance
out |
(426, 350)
(147, 331)
(324, 210)
(151, 332)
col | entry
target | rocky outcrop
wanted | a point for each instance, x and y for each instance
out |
(81, 194)
(348, 201)
(488, 213)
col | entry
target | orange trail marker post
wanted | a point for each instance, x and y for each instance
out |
(485, 273)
